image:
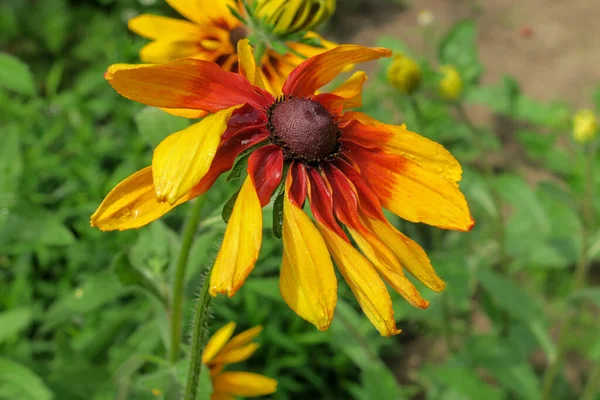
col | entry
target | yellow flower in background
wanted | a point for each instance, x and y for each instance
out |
(450, 86)
(289, 16)
(404, 74)
(585, 126)
(212, 32)
(222, 350)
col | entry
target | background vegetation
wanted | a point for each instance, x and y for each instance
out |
(81, 311)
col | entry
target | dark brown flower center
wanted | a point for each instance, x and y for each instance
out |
(237, 34)
(304, 129)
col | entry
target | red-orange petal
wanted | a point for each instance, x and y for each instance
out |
(265, 166)
(186, 83)
(321, 69)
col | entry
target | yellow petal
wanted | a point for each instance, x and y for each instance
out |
(367, 286)
(205, 11)
(350, 91)
(241, 243)
(236, 355)
(396, 139)
(243, 338)
(183, 158)
(307, 279)
(217, 342)
(163, 50)
(247, 64)
(244, 384)
(409, 253)
(156, 27)
(133, 204)
(186, 113)
(388, 266)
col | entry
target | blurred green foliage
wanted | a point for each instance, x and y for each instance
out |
(84, 314)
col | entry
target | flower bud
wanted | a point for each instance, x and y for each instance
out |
(404, 74)
(291, 16)
(450, 85)
(585, 126)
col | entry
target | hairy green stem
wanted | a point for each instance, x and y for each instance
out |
(581, 269)
(179, 279)
(200, 330)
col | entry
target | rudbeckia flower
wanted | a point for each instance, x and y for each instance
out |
(345, 165)
(222, 349)
(212, 33)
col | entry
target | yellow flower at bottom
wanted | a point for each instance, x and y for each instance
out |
(450, 86)
(585, 126)
(404, 74)
(221, 350)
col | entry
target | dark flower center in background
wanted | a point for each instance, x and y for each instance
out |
(304, 129)
(237, 34)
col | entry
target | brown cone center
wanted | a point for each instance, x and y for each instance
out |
(304, 129)
(237, 34)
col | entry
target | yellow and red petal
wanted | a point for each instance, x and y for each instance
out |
(159, 27)
(387, 265)
(410, 191)
(368, 201)
(298, 184)
(133, 204)
(367, 286)
(241, 243)
(321, 69)
(321, 202)
(395, 139)
(186, 83)
(265, 166)
(245, 384)
(346, 206)
(217, 342)
(409, 253)
(182, 159)
(347, 95)
(307, 280)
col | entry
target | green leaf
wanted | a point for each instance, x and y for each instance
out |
(19, 382)
(154, 124)
(11, 168)
(14, 321)
(462, 379)
(228, 207)
(459, 48)
(131, 276)
(509, 297)
(590, 294)
(15, 75)
(240, 169)
(277, 228)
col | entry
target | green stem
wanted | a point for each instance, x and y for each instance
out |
(417, 113)
(179, 278)
(199, 336)
(581, 269)
(489, 174)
